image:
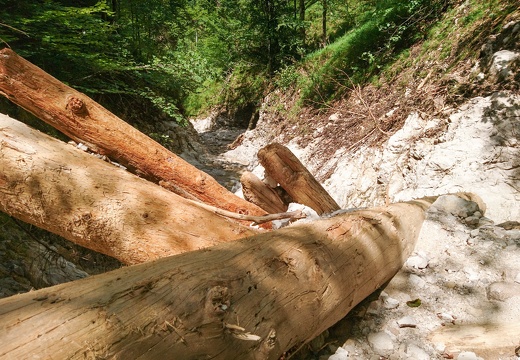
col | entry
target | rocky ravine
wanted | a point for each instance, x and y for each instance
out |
(458, 296)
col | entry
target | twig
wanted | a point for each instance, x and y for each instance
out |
(293, 215)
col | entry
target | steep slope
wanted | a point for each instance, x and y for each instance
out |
(435, 124)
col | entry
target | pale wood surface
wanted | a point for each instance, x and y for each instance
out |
(285, 168)
(257, 192)
(253, 298)
(62, 189)
(85, 121)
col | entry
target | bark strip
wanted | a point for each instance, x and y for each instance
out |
(85, 121)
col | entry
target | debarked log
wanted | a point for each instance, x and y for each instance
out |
(257, 192)
(253, 298)
(85, 121)
(285, 168)
(62, 189)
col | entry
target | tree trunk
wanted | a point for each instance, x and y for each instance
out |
(324, 22)
(302, 20)
(85, 121)
(285, 168)
(253, 298)
(64, 190)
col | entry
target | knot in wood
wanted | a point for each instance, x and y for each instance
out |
(77, 106)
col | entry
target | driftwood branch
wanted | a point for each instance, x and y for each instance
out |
(292, 215)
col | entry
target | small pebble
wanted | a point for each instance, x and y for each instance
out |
(390, 303)
(417, 262)
(341, 354)
(447, 318)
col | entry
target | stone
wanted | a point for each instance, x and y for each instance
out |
(389, 302)
(380, 342)
(472, 220)
(415, 352)
(341, 354)
(501, 63)
(407, 321)
(468, 355)
(334, 117)
(455, 205)
(417, 261)
(503, 290)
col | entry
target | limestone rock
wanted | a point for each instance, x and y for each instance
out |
(381, 342)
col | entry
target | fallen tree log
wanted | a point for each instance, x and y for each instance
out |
(85, 121)
(285, 168)
(253, 298)
(64, 190)
(257, 192)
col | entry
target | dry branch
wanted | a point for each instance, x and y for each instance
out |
(62, 189)
(253, 298)
(85, 121)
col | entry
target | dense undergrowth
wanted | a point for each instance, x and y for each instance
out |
(433, 51)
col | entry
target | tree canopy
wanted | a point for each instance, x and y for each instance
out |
(177, 58)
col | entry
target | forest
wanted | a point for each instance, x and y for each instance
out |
(182, 58)
(168, 261)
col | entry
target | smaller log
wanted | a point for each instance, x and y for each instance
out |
(260, 194)
(285, 168)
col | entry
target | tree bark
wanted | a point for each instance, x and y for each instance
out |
(253, 298)
(257, 192)
(285, 168)
(85, 121)
(64, 190)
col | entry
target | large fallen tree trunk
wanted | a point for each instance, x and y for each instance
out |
(253, 298)
(85, 121)
(62, 189)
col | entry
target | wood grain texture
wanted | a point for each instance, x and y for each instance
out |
(253, 298)
(85, 121)
(95, 204)
(285, 168)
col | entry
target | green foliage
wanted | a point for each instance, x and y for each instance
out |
(384, 28)
(165, 58)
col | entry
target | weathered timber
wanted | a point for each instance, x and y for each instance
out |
(253, 298)
(257, 192)
(85, 121)
(285, 168)
(95, 204)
